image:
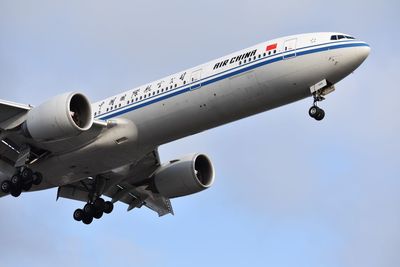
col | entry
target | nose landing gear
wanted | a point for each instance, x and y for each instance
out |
(316, 113)
(318, 91)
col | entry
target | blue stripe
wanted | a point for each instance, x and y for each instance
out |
(226, 74)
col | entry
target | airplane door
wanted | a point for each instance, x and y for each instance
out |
(194, 78)
(289, 48)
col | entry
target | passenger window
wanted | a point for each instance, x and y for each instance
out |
(240, 63)
(265, 54)
(254, 58)
(176, 85)
(269, 53)
(334, 37)
(141, 97)
(170, 87)
(95, 113)
(158, 91)
(340, 37)
(119, 105)
(244, 61)
(184, 82)
(274, 51)
(107, 109)
(259, 56)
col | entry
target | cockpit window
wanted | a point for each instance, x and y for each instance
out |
(339, 37)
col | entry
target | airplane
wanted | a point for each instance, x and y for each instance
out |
(110, 148)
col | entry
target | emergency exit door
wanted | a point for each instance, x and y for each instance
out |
(289, 48)
(195, 79)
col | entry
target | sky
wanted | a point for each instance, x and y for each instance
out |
(289, 191)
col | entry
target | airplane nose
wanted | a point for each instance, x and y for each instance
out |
(363, 52)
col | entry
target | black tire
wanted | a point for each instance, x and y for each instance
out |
(87, 219)
(79, 214)
(26, 174)
(320, 115)
(108, 207)
(16, 180)
(16, 192)
(98, 214)
(89, 209)
(37, 178)
(27, 185)
(99, 204)
(6, 187)
(313, 111)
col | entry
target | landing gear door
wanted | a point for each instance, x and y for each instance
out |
(289, 48)
(195, 79)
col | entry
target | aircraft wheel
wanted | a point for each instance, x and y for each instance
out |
(6, 187)
(87, 219)
(98, 214)
(79, 214)
(89, 209)
(320, 114)
(27, 185)
(313, 111)
(37, 178)
(16, 192)
(26, 174)
(16, 180)
(99, 204)
(108, 207)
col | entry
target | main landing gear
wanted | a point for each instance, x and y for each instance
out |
(316, 112)
(96, 206)
(22, 180)
(93, 210)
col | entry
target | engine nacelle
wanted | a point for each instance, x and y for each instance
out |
(186, 176)
(59, 118)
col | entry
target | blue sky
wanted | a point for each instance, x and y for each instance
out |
(289, 191)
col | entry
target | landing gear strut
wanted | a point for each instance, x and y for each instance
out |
(22, 180)
(316, 112)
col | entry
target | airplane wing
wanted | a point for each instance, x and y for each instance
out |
(11, 113)
(130, 189)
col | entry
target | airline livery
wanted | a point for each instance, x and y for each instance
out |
(109, 148)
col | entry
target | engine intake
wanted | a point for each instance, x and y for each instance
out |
(185, 176)
(61, 117)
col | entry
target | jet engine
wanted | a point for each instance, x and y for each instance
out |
(61, 117)
(185, 176)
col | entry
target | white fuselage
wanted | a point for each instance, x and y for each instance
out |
(238, 85)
